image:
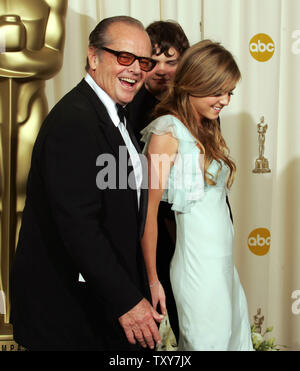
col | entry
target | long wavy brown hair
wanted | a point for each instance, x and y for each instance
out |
(206, 69)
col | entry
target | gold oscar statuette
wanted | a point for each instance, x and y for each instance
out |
(258, 321)
(32, 34)
(261, 163)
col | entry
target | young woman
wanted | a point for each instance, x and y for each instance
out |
(190, 167)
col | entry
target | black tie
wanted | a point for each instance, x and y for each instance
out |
(122, 113)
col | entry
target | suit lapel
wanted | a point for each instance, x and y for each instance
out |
(144, 191)
(112, 133)
(132, 137)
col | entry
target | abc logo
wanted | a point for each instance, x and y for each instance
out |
(259, 241)
(261, 47)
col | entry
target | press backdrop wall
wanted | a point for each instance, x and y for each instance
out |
(265, 206)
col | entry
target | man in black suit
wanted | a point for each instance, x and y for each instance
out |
(78, 280)
(169, 42)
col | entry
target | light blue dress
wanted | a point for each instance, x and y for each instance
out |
(211, 304)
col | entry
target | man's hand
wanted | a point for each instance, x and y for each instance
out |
(139, 323)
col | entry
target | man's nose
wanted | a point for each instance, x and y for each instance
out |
(135, 67)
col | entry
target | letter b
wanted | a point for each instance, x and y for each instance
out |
(261, 46)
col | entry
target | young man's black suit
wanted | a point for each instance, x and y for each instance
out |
(70, 226)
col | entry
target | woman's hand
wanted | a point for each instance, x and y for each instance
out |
(158, 296)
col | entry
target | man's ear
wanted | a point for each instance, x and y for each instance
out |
(93, 57)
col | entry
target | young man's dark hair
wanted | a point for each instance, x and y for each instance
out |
(165, 35)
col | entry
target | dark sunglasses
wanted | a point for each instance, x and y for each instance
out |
(126, 59)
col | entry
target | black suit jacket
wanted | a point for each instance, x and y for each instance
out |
(140, 111)
(70, 226)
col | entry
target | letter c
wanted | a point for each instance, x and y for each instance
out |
(270, 47)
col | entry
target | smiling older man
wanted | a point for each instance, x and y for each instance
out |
(78, 279)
